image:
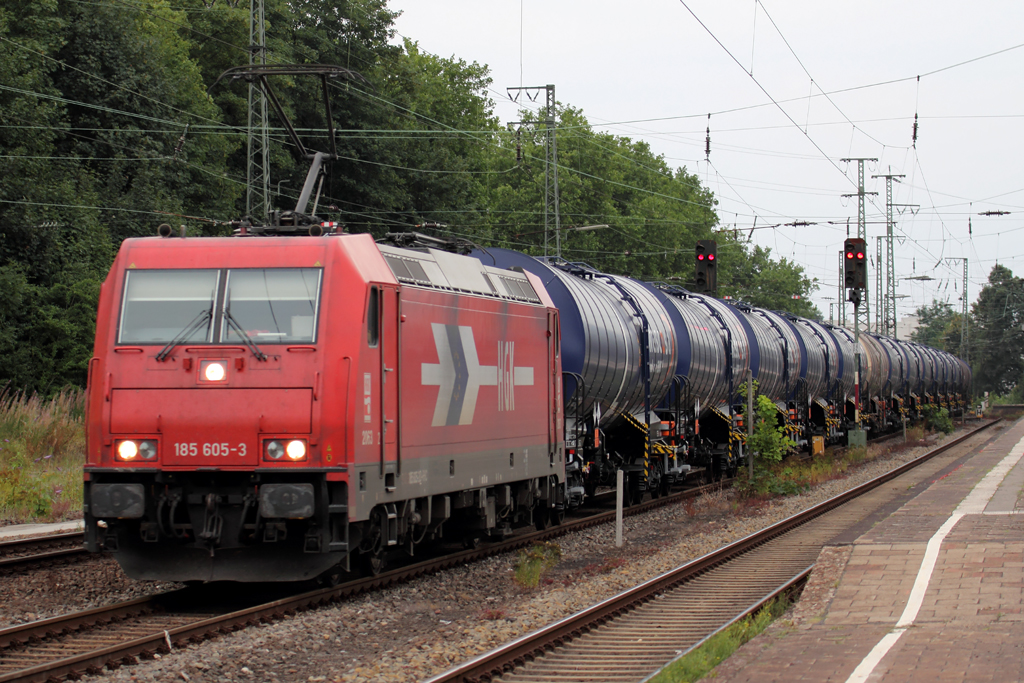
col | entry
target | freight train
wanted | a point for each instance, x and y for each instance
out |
(281, 408)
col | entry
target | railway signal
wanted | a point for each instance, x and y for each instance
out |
(855, 261)
(707, 266)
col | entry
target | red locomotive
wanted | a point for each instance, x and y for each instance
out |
(271, 408)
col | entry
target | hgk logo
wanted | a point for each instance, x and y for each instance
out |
(459, 375)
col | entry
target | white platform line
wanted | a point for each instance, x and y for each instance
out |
(974, 504)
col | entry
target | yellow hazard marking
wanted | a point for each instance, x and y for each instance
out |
(317, 264)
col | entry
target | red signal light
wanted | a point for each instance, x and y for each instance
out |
(860, 255)
(711, 257)
(700, 257)
(849, 254)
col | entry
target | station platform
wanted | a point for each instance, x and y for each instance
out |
(9, 533)
(933, 592)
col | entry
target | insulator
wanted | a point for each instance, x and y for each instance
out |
(181, 142)
(915, 130)
(707, 140)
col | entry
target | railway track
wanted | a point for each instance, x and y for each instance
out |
(39, 552)
(632, 635)
(121, 634)
(26, 554)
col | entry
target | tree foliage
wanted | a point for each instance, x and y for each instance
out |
(934, 323)
(997, 333)
(108, 127)
(776, 285)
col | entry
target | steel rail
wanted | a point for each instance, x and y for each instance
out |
(199, 628)
(493, 664)
(11, 562)
(791, 587)
(29, 542)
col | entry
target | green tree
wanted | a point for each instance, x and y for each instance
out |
(997, 331)
(933, 324)
(654, 214)
(133, 90)
(753, 277)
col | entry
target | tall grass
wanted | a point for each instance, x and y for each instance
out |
(532, 563)
(42, 451)
(696, 664)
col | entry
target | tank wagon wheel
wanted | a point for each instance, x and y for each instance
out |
(656, 482)
(633, 493)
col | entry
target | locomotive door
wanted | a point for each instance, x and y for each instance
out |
(390, 340)
(554, 386)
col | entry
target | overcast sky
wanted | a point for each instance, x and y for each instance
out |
(649, 69)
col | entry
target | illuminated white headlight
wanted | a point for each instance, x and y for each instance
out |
(127, 450)
(296, 449)
(215, 372)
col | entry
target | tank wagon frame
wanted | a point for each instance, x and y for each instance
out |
(696, 352)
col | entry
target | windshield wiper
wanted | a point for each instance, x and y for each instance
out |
(233, 324)
(189, 330)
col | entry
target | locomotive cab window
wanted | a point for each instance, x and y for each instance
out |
(272, 305)
(158, 305)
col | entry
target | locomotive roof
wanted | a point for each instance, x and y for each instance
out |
(442, 270)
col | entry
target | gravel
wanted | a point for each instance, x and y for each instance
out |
(422, 628)
(79, 585)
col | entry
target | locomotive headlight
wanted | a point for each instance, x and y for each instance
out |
(277, 449)
(130, 450)
(297, 449)
(213, 370)
(127, 450)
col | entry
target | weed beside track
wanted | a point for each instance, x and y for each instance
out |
(42, 452)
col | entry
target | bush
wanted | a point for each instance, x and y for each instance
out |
(768, 445)
(938, 419)
(532, 563)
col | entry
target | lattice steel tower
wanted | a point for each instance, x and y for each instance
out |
(862, 312)
(551, 218)
(888, 299)
(257, 168)
(964, 348)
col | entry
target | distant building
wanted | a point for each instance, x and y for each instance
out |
(906, 326)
